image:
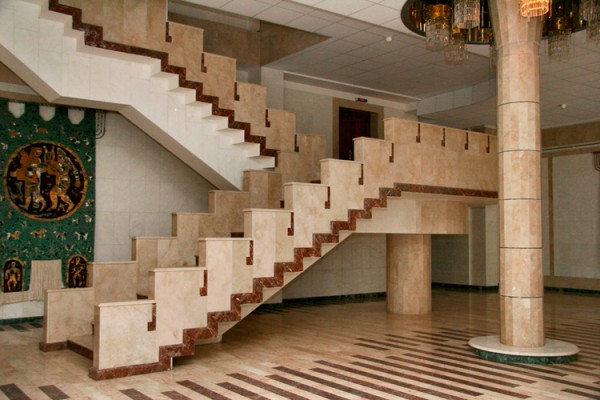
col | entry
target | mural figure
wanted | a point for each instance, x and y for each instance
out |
(45, 180)
(61, 167)
(77, 272)
(12, 276)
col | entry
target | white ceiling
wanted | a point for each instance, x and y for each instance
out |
(358, 54)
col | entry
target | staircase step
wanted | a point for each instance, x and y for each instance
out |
(82, 345)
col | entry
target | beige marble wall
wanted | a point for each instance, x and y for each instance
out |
(180, 305)
(141, 201)
(67, 313)
(113, 281)
(227, 270)
(271, 238)
(308, 202)
(122, 336)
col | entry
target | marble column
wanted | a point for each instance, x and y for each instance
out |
(408, 274)
(519, 150)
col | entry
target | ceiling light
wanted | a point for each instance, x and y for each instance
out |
(437, 26)
(534, 8)
(466, 13)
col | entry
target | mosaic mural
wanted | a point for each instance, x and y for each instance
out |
(47, 195)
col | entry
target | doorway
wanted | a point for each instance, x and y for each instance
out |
(353, 124)
(352, 120)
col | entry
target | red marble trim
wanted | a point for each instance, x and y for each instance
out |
(168, 37)
(291, 228)
(47, 347)
(250, 258)
(82, 351)
(204, 289)
(94, 38)
(361, 180)
(152, 324)
(202, 64)
(121, 372)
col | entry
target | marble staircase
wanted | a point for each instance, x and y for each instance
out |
(219, 266)
(184, 98)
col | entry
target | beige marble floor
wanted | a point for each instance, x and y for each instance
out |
(334, 351)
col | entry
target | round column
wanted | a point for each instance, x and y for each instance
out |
(520, 205)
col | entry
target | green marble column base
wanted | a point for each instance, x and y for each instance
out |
(553, 351)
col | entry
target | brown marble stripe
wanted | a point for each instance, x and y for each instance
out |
(12, 392)
(306, 388)
(325, 382)
(547, 378)
(388, 345)
(368, 346)
(575, 369)
(135, 394)
(392, 381)
(431, 337)
(53, 392)
(266, 386)
(241, 391)
(441, 368)
(582, 394)
(445, 377)
(418, 378)
(410, 339)
(468, 366)
(367, 384)
(473, 359)
(175, 395)
(202, 390)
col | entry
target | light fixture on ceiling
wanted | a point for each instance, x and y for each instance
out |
(467, 13)
(441, 20)
(455, 53)
(534, 8)
(590, 13)
(437, 26)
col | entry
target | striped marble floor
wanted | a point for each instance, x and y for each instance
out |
(334, 351)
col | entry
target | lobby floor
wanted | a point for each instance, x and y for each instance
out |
(334, 351)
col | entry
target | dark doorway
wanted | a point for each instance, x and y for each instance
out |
(354, 123)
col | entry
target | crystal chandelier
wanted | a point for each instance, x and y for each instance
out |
(455, 53)
(437, 27)
(590, 13)
(559, 45)
(467, 13)
(534, 8)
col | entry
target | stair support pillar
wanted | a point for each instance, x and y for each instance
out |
(408, 274)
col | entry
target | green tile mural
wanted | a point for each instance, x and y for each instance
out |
(47, 195)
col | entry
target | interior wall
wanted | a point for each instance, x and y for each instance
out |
(139, 184)
(573, 219)
(356, 266)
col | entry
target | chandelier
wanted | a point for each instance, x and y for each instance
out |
(534, 8)
(453, 24)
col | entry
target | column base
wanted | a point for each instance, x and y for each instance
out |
(553, 351)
